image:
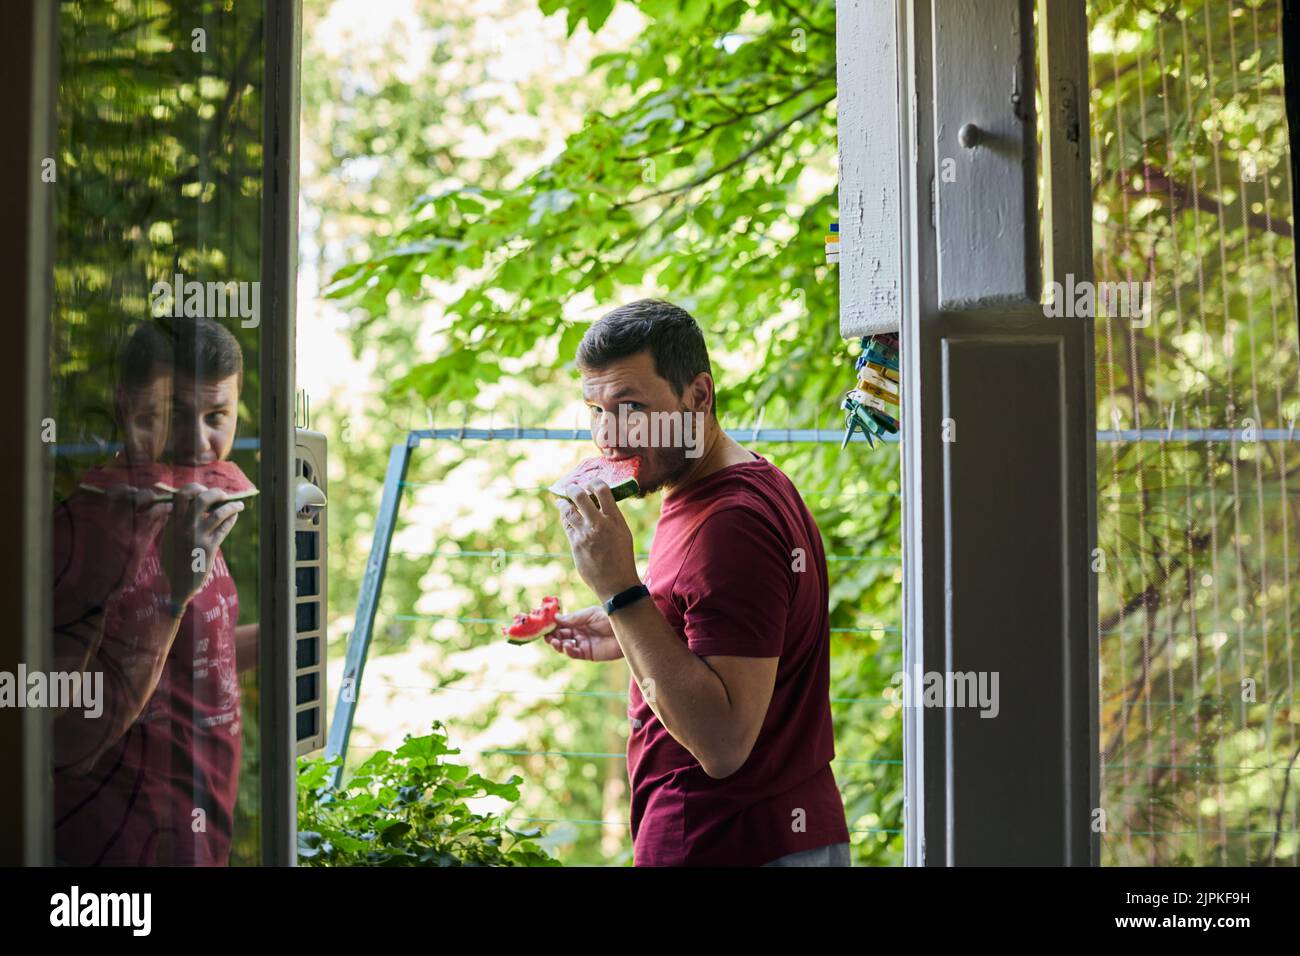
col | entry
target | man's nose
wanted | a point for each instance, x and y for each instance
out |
(188, 437)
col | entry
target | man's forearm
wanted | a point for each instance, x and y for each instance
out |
(687, 696)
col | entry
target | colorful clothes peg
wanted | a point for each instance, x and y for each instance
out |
(872, 407)
(888, 374)
(853, 424)
(881, 353)
(872, 424)
(886, 422)
(872, 403)
(880, 377)
(867, 386)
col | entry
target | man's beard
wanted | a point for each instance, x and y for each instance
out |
(666, 466)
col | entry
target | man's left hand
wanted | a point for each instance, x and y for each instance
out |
(599, 538)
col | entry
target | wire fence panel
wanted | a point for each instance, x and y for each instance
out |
(1196, 380)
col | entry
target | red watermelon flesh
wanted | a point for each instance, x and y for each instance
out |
(149, 475)
(225, 475)
(530, 626)
(620, 474)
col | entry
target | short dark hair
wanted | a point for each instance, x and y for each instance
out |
(672, 335)
(197, 348)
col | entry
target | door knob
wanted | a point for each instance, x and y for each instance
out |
(970, 135)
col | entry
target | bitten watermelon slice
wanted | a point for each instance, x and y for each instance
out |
(225, 475)
(528, 627)
(620, 475)
(167, 479)
(147, 475)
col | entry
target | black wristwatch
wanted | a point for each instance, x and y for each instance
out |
(623, 598)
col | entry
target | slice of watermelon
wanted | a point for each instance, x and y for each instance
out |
(620, 475)
(152, 475)
(529, 627)
(225, 475)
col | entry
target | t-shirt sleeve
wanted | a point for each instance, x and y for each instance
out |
(736, 586)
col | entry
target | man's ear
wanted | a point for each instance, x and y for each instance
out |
(700, 393)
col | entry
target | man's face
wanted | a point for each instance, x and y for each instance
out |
(144, 411)
(204, 415)
(633, 382)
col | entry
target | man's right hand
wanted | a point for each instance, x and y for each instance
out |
(585, 635)
(199, 521)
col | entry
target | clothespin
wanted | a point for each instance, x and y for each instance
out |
(886, 422)
(870, 407)
(889, 375)
(880, 353)
(876, 395)
(856, 421)
(850, 426)
(873, 421)
(877, 402)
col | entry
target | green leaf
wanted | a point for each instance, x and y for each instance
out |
(550, 202)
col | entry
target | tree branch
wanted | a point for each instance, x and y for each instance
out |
(758, 147)
(1156, 180)
(734, 118)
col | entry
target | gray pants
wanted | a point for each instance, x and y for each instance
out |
(836, 854)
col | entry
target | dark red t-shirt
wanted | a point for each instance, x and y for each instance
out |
(137, 805)
(737, 568)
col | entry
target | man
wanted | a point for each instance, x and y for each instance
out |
(731, 738)
(142, 595)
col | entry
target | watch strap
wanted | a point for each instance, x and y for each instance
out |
(623, 598)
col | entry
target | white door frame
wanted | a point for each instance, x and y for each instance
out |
(998, 425)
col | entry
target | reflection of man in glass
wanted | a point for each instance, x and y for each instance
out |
(142, 594)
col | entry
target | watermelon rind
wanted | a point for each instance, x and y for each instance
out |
(168, 493)
(623, 489)
(235, 496)
(157, 496)
(528, 640)
(230, 495)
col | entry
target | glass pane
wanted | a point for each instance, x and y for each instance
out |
(155, 345)
(1196, 399)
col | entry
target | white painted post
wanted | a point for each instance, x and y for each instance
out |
(870, 225)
